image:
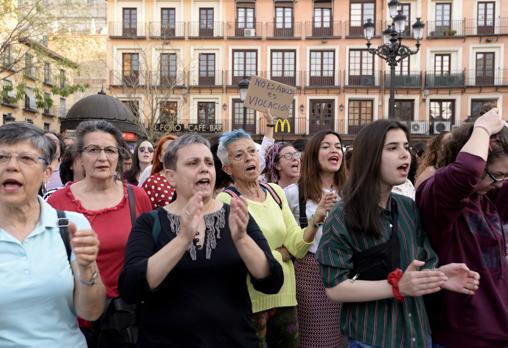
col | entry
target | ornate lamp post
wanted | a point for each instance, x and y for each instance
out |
(392, 50)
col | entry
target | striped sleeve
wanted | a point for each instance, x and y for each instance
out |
(335, 252)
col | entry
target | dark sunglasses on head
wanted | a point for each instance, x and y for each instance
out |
(144, 149)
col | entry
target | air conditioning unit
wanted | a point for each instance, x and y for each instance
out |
(249, 32)
(441, 126)
(418, 127)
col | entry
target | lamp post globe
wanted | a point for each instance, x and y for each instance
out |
(243, 85)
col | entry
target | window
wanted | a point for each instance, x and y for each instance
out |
(361, 68)
(62, 78)
(403, 67)
(129, 22)
(360, 12)
(442, 64)
(404, 109)
(63, 108)
(9, 98)
(206, 22)
(7, 57)
(29, 68)
(168, 23)
(29, 120)
(46, 127)
(443, 16)
(243, 118)
(47, 108)
(442, 110)
(30, 103)
(486, 17)
(322, 68)
(283, 67)
(360, 113)
(480, 106)
(47, 73)
(133, 106)
(321, 115)
(322, 19)
(206, 113)
(245, 19)
(284, 20)
(207, 69)
(130, 69)
(168, 111)
(485, 68)
(406, 11)
(244, 64)
(168, 69)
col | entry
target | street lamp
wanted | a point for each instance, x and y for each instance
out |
(392, 50)
(243, 85)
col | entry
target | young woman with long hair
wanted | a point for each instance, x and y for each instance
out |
(374, 234)
(323, 176)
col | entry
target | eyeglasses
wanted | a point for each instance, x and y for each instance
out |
(496, 179)
(239, 156)
(24, 159)
(145, 149)
(291, 155)
(94, 150)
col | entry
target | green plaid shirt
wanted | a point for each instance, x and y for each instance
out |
(384, 323)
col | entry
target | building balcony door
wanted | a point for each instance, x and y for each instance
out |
(321, 115)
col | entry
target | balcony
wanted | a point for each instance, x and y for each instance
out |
(160, 30)
(364, 80)
(234, 32)
(278, 31)
(444, 29)
(210, 78)
(166, 79)
(314, 30)
(117, 30)
(354, 30)
(411, 80)
(214, 30)
(51, 111)
(494, 26)
(497, 77)
(131, 79)
(453, 79)
(326, 79)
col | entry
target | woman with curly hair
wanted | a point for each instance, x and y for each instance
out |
(428, 164)
(282, 164)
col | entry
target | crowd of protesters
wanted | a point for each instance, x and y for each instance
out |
(183, 243)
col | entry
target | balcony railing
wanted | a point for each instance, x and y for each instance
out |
(453, 79)
(315, 30)
(162, 30)
(481, 78)
(209, 31)
(444, 29)
(233, 30)
(278, 31)
(494, 26)
(355, 29)
(132, 78)
(214, 78)
(413, 79)
(363, 80)
(120, 30)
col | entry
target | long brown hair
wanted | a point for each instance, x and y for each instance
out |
(309, 180)
(362, 191)
(157, 164)
(434, 150)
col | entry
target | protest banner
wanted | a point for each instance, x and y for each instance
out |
(264, 95)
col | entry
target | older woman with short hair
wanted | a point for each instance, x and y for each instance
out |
(45, 280)
(188, 262)
(274, 315)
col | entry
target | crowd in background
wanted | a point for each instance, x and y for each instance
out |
(188, 242)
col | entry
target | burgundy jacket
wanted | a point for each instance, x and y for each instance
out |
(466, 227)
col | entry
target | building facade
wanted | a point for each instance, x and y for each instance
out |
(179, 62)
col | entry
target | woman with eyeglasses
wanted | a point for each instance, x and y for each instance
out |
(141, 158)
(463, 205)
(44, 281)
(282, 164)
(110, 205)
(323, 175)
(274, 315)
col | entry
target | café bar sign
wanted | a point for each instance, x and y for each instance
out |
(190, 128)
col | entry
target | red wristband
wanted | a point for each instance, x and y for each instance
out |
(393, 280)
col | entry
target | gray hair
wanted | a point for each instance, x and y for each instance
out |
(170, 157)
(86, 127)
(13, 133)
(228, 138)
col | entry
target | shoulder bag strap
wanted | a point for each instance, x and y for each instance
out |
(132, 204)
(272, 192)
(63, 225)
(302, 207)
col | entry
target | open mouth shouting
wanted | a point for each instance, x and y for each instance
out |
(11, 185)
(403, 169)
(202, 184)
(334, 160)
